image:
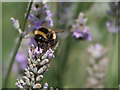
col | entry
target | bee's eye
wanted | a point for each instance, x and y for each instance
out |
(40, 38)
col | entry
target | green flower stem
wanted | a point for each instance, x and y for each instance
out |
(16, 48)
(29, 8)
(64, 60)
(112, 63)
(11, 63)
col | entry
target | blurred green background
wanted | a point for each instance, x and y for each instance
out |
(68, 69)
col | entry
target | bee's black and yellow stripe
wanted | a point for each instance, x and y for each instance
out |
(45, 38)
(43, 31)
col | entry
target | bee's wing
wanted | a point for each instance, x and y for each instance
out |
(58, 30)
(63, 34)
(45, 24)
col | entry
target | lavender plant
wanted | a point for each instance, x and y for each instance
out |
(80, 30)
(97, 66)
(113, 25)
(38, 15)
(38, 61)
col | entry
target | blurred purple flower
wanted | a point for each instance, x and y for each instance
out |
(112, 28)
(21, 60)
(113, 25)
(113, 8)
(65, 15)
(97, 69)
(80, 30)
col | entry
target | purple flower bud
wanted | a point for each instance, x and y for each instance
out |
(13, 20)
(19, 85)
(45, 85)
(15, 23)
(50, 53)
(80, 30)
(38, 52)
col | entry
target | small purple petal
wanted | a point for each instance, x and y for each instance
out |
(49, 53)
(89, 37)
(37, 24)
(108, 24)
(19, 85)
(13, 20)
(97, 46)
(77, 35)
(45, 85)
(38, 52)
(86, 30)
(30, 28)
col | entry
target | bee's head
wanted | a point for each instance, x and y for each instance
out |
(39, 38)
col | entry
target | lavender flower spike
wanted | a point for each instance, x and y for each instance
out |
(38, 62)
(113, 25)
(80, 30)
(39, 14)
(97, 66)
(16, 25)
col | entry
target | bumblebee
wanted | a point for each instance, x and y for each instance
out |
(45, 38)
